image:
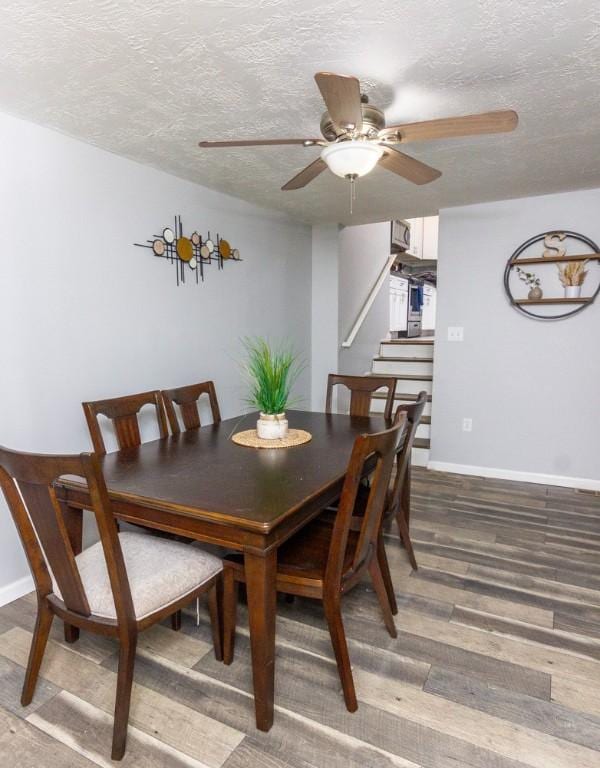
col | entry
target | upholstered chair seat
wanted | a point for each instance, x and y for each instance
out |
(160, 571)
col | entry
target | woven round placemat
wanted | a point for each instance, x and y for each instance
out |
(249, 438)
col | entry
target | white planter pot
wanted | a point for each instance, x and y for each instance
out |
(271, 426)
(572, 291)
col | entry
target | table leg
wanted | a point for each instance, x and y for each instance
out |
(260, 585)
(73, 519)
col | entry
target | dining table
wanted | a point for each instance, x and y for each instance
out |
(203, 486)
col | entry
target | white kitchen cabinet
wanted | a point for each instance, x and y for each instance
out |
(430, 238)
(416, 238)
(423, 238)
(398, 304)
(429, 307)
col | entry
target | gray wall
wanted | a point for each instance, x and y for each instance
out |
(364, 251)
(531, 387)
(86, 315)
(324, 310)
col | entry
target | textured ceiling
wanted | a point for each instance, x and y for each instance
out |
(147, 80)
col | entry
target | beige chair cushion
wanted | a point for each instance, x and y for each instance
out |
(160, 571)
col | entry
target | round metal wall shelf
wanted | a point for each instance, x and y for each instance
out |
(579, 303)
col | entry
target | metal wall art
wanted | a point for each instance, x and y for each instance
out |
(557, 278)
(190, 255)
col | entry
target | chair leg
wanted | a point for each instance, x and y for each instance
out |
(43, 623)
(378, 583)
(230, 599)
(176, 621)
(405, 496)
(405, 538)
(333, 614)
(71, 633)
(214, 608)
(123, 697)
(385, 572)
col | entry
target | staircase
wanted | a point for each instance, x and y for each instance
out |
(411, 362)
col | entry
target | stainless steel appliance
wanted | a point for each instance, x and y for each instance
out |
(400, 236)
(415, 311)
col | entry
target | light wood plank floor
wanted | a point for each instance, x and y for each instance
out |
(496, 664)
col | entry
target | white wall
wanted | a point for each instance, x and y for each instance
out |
(531, 387)
(85, 315)
(364, 251)
(324, 320)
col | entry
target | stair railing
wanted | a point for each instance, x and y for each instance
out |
(366, 308)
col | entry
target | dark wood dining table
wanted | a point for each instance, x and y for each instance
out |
(201, 485)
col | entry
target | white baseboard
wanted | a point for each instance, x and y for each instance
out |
(16, 589)
(582, 483)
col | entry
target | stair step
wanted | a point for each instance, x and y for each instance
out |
(425, 420)
(407, 376)
(409, 397)
(421, 442)
(413, 340)
(387, 358)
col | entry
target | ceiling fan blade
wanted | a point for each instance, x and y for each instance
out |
(306, 175)
(452, 127)
(257, 143)
(341, 95)
(408, 167)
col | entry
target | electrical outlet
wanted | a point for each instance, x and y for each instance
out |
(467, 425)
(455, 333)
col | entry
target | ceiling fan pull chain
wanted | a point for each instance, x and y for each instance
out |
(352, 177)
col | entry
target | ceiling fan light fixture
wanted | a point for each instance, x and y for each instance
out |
(352, 158)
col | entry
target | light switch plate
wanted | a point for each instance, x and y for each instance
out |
(455, 333)
(467, 424)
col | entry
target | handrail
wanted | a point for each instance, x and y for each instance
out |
(366, 308)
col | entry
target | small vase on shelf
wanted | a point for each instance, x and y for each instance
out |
(535, 294)
(572, 291)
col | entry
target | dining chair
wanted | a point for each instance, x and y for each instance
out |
(186, 398)
(325, 561)
(401, 493)
(117, 587)
(397, 503)
(124, 413)
(362, 389)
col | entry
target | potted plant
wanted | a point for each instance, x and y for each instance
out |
(532, 282)
(272, 373)
(571, 275)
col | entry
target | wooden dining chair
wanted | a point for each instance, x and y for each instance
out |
(362, 389)
(397, 502)
(324, 561)
(124, 414)
(400, 504)
(117, 587)
(186, 398)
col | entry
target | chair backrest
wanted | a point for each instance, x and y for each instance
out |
(413, 414)
(379, 448)
(362, 389)
(123, 412)
(27, 481)
(187, 400)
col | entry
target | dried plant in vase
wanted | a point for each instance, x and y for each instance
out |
(271, 373)
(572, 275)
(532, 281)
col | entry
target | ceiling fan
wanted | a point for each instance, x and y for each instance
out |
(356, 137)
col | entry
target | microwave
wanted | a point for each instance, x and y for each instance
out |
(400, 236)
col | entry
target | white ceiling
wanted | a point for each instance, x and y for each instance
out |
(148, 80)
